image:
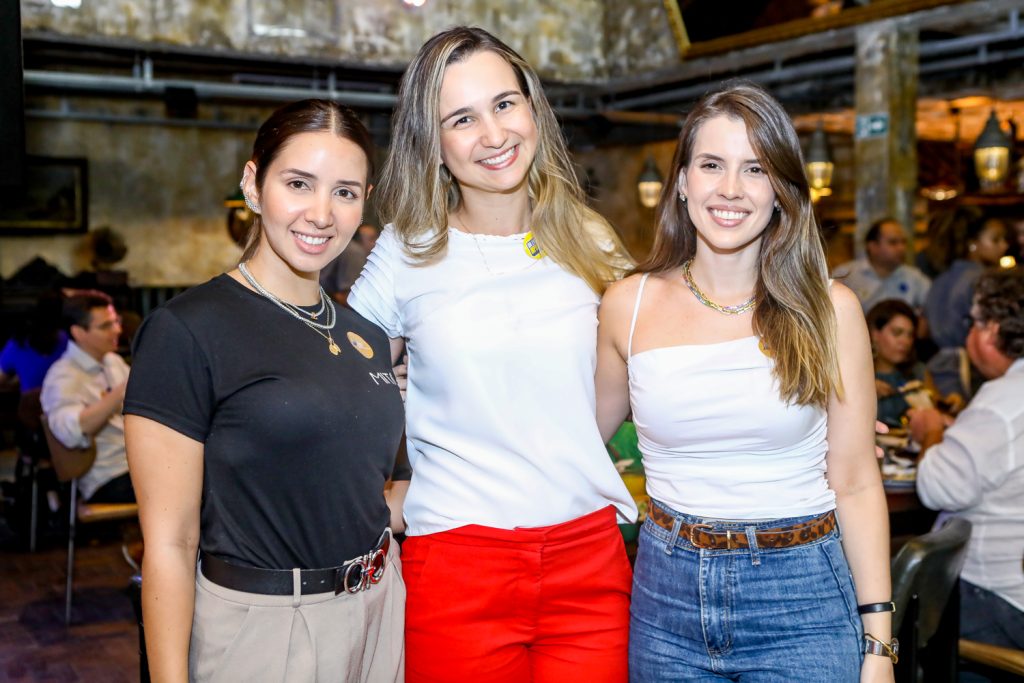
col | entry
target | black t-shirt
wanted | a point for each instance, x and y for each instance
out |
(298, 443)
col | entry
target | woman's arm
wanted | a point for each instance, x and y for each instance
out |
(167, 473)
(611, 378)
(854, 476)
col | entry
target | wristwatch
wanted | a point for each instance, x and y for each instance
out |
(874, 646)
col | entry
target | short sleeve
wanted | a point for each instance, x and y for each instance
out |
(170, 381)
(373, 295)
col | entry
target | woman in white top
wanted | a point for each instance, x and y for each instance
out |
(750, 381)
(490, 276)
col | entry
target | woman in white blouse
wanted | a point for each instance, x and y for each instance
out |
(489, 277)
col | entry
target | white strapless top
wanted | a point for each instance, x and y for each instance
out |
(718, 441)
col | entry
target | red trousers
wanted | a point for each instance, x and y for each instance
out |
(528, 605)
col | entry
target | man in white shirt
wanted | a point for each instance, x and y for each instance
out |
(883, 273)
(976, 467)
(83, 392)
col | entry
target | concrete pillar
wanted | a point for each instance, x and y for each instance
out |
(885, 141)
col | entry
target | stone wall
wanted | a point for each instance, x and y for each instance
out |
(162, 188)
(564, 39)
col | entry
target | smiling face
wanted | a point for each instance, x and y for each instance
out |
(311, 201)
(488, 134)
(894, 342)
(729, 196)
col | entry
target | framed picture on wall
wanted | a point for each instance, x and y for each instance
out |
(53, 200)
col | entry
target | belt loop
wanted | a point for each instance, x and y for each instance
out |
(673, 535)
(296, 587)
(755, 552)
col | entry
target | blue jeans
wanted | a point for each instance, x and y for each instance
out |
(758, 615)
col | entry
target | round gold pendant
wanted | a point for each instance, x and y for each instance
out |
(335, 349)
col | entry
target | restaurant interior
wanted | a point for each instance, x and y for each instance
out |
(124, 127)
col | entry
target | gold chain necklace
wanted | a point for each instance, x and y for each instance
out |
(703, 298)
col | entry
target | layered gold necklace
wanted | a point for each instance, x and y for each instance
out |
(323, 329)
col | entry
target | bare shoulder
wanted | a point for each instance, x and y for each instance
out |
(847, 305)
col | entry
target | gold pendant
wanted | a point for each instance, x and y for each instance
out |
(335, 349)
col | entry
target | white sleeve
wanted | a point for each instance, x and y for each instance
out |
(970, 460)
(63, 405)
(373, 295)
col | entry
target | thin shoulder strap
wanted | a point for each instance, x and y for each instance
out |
(636, 310)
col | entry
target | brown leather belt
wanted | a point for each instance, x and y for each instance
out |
(704, 537)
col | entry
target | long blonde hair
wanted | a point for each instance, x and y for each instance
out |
(417, 193)
(794, 315)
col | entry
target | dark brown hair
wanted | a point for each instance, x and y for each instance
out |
(1000, 297)
(882, 313)
(78, 304)
(304, 116)
(794, 315)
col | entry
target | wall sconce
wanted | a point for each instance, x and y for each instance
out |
(239, 218)
(819, 164)
(992, 155)
(649, 184)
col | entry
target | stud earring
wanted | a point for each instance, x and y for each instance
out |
(778, 207)
(682, 197)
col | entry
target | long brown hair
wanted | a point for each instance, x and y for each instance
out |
(417, 193)
(794, 315)
(304, 116)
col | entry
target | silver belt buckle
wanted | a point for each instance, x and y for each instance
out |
(371, 567)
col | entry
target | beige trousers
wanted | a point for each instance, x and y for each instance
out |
(251, 638)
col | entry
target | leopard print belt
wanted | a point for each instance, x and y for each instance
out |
(706, 537)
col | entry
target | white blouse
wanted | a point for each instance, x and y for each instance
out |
(500, 410)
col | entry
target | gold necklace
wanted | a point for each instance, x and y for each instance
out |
(703, 298)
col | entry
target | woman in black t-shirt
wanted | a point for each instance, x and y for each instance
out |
(262, 425)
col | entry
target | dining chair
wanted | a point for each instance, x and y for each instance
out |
(31, 455)
(925, 573)
(70, 464)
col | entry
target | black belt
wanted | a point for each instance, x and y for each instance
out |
(356, 575)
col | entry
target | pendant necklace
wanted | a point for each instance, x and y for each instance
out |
(701, 297)
(323, 329)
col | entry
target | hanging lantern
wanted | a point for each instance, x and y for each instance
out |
(649, 184)
(992, 154)
(819, 164)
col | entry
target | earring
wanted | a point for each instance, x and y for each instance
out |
(682, 197)
(778, 207)
(248, 202)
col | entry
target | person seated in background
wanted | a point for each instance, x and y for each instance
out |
(367, 235)
(83, 392)
(976, 467)
(898, 375)
(976, 245)
(34, 347)
(882, 273)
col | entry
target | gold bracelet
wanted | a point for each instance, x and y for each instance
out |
(874, 646)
